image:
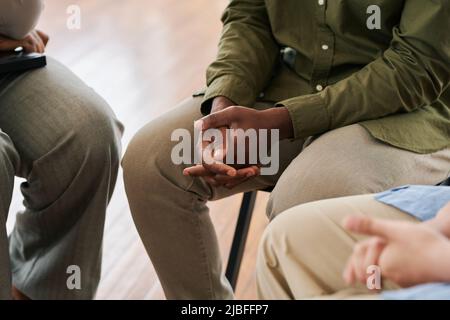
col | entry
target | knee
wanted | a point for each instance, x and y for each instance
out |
(314, 184)
(136, 162)
(289, 232)
(94, 136)
(9, 158)
(147, 163)
(9, 162)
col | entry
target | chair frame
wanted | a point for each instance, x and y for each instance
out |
(240, 237)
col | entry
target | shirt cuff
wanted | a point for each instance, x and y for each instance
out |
(230, 87)
(309, 115)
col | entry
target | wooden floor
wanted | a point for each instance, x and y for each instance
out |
(143, 57)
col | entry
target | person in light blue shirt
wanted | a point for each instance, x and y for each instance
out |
(394, 245)
(422, 202)
(425, 203)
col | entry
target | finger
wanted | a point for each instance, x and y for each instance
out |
(371, 227)
(28, 44)
(242, 176)
(235, 183)
(221, 168)
(44, 37)
(30, 48)
(219, 154)
(38, 41)
(374, 252)
(197, 171)
(225, 179)
(358, 262)
(200, 146)
(349, 272)
(216, 120)
(241, 173)
(33, 38)
(210, 150)
(249, 172)
(211, 181)
(227, 182)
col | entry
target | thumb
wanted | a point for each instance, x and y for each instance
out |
(370, 227)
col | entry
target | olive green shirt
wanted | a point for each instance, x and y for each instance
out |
(390, 74)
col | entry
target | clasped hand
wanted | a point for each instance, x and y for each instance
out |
(225, 116)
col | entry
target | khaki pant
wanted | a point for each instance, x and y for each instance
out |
(61, 137)
(170, 209)
(303, 252)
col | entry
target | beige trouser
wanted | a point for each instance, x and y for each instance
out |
(170, 209)
(64, 140)
(304, 250)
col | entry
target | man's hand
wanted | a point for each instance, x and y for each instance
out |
(220, 174)
(220, 103)
(407, 253)
(232, 117)
(36, 41)
(236, 117)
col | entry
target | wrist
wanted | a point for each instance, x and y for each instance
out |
(279, 118)
(221, 102)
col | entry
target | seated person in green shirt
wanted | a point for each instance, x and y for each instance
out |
(360, 96)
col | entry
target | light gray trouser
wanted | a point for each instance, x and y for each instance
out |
(60, 136)
(170, 210)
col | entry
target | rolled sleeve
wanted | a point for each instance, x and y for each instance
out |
(230, 87)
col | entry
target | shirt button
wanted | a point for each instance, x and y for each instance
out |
(321, 2)
(325, 47)
(319, 87)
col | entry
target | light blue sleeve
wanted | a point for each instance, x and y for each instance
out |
(433, 291)
(19, 17)
(422, 202)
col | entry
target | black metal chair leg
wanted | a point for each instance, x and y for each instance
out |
(240, 238)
